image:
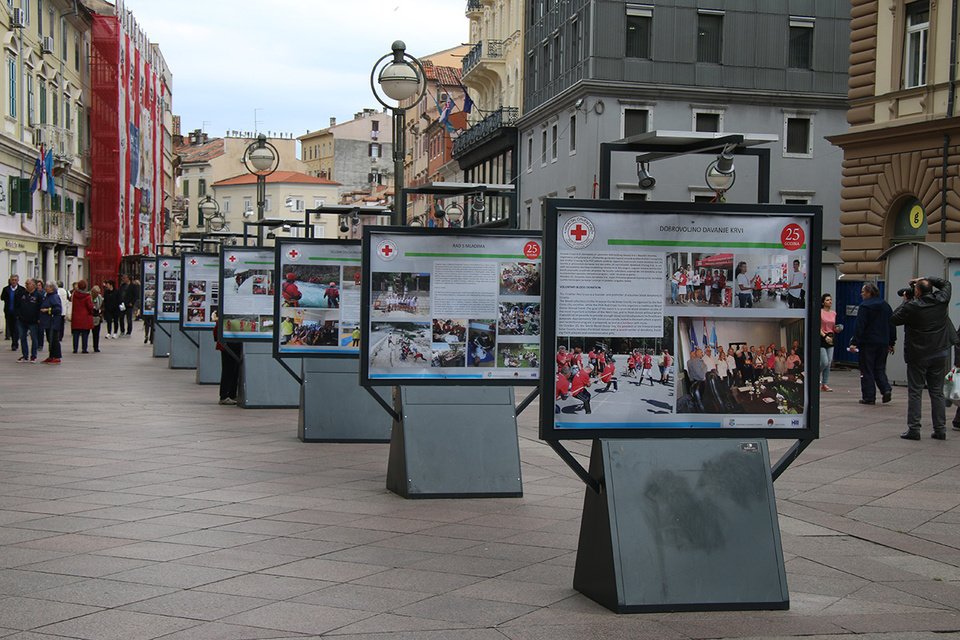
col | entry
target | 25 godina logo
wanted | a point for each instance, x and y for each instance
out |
(578, 232)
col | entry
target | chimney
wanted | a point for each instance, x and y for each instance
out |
(204, 138)
(333, 121)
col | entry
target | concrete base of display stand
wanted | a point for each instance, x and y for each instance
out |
(681, 525)
(334, 408)
(208, 359)
(161, 338)
(183, 349)
(454, 442)
(264, 383)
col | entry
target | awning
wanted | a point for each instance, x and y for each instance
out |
(719, 260)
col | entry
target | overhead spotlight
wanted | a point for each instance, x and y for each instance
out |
(286, 228)
(721, 174)
(644, 179)
(248, 213)
(344, 228)
(355, 217)
(578, 104)
(416, 222)
(438, 211)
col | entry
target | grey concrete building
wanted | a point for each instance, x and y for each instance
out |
(606, 70)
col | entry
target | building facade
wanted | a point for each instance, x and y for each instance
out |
(600, 71)
(902, 150)
(358, 154)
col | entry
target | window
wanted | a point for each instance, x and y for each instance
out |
(635, 122)
(575, 54)
(226, 205)
(573, 133)
(186, 188)
(12, 87)
(529, 153)
(373, 150)
(66, 115)
(247, 206)
(31, 118)
(709, 36)
(557, 55)
(56, 109)
(800, 46)
(43, 103)
(201, 188)
(543, 148)
(76, 51)
(267, 204)
(79, 130)
(639, 24)
(40, 21)
(915, 47)
(545, 63)
(798, 130)
(554, 143)
(707, 121)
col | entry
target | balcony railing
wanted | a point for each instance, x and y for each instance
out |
(55, 225)
(57, 139)
(486, 128)
(473, 6)
(494, 50)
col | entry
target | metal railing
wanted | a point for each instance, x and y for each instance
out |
(474, 5)
(55, 225)
(494, 50)
(502, 117)
(61, 141)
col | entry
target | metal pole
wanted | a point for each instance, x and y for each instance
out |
(399, 151)
(261, 197)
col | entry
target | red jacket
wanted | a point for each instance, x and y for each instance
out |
(82, 314)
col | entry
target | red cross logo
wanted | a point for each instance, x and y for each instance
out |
(166, 264)
(232, 259)
(193, 262)
(578, 232)
(387, 250)
(293, 254)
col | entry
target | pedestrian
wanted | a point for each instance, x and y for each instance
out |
(873, 339)
(97, 299)
(231, 354)
(27, 308)
(828, 328)
(111, 309)
(928, 335)
(51, 312)
(9, 295)
(130, 297)
(81, 316)
(41, 289)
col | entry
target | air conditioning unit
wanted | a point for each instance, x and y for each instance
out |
(19, 20)
(46, 46)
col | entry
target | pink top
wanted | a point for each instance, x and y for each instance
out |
(828, 321)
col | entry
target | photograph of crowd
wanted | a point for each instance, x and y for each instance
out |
(196, 315)
(397, 344)
(480, 341)
(699, 279)
(524, 355)
(449, 330)
(169, 285)
(449, 354)
(522, 319)
(520, 278)
(621, 379)
(169, 296)
(770, 281)
(196, 301)
(740, 366)
(313, 334)
(400, 295)
(196, 286)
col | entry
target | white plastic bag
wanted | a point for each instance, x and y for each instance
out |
(951, 386)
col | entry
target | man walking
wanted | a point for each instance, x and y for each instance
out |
(928, 336)
(874, 338)
(9, 295)
(28, 320)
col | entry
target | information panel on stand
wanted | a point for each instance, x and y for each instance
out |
(168, 300)
(450, 306)
(246, 293)
(200, 297)
(675, 319)
(148, 292)
(317, 300)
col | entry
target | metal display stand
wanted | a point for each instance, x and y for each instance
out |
(208, 359)
(183, 348)
(333, 408)
(161, 337)
(264, 383)
(454, 442)
(681, 525)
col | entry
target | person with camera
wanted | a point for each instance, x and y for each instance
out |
(873, 339)
(927, 339)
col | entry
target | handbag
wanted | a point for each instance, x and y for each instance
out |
(951, 386)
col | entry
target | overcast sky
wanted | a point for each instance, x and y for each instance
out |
(296, 62)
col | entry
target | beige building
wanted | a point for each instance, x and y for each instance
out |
(358, 154)
(902, 150)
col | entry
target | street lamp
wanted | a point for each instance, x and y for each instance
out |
(401, 80)
(721, 174)
(209, 214)
(261, 159)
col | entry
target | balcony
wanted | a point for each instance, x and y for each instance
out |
(474, 8)
(57, 139)
(55, 226)
(472, 59)
(502, 118)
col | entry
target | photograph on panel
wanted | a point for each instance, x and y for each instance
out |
(399, 343)
(400, 295)
(699, 279)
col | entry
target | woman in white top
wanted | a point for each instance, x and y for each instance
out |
(744, 289)
(721, 363)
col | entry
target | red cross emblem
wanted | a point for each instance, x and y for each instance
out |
(232, 259)
(578, 232)
(166, 264)
(293, 254)
(387, 250)
(193, 262)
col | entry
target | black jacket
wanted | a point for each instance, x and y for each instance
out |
(28, 306)
(5, 293)
(873, 324)
(111, 301)
(927, 329)
(131, 296)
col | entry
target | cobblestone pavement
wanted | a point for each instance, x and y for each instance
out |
(133, 506)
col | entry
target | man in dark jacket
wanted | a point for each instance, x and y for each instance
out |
(10, 294)
(927, 339)
(874, 338)
(130, 294)
(28, 320)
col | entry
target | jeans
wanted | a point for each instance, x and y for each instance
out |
(674, 289)
(873, 370)
(826, 357)
(929, 372)
(33, 330)
(746, 300)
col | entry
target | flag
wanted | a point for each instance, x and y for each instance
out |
(706, 342)
(48, 172)
(467, 102)
(447, 108)
(38, 180)
(713, 336)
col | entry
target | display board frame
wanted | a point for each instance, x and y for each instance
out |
(148, 283)
(604, 262)
(169, 281)
(262, 261)
(423, 244)
(326, 255)
(195, 265)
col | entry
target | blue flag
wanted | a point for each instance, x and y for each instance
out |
(48, 170)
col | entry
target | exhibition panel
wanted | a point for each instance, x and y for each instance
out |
(246, 293)
(200, 293)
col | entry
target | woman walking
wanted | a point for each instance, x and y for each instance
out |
(97, 301)
(111, 309)
(50, 312)
(81, 320)
(828, 328)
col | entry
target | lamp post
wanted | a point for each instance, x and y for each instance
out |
(209, 212)
(261, 159)
(402, 79)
